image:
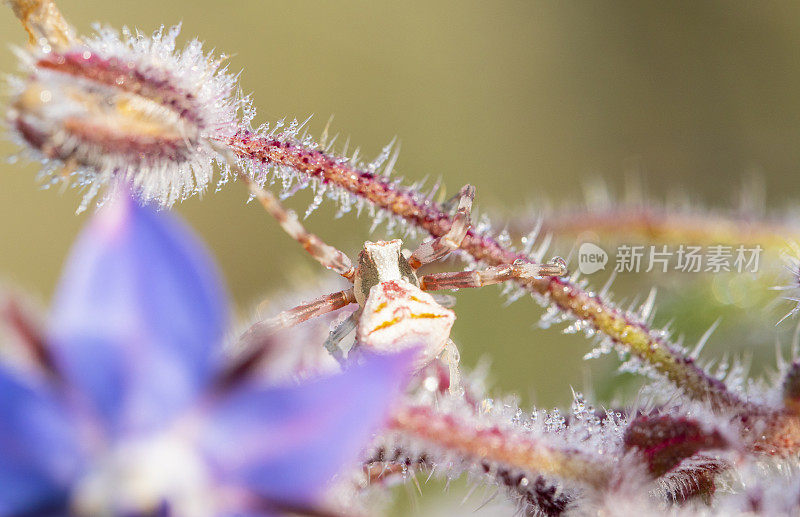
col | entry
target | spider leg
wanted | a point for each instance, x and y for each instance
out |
(492, 275)
(339, 333)
(450, 203)
(42, 20)
(257, 340)
(451, 356)
(306, 311)
(445, 300)
(435, 249)
(325, 254)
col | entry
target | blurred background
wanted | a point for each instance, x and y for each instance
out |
(529, 101)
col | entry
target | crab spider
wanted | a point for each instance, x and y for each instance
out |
(395, 311)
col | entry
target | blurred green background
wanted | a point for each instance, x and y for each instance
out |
(524, 99)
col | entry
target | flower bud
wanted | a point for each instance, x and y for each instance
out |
(129, 108)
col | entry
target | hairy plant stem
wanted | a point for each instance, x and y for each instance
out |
(663, 226)
(764, 429)
(493, 444)
(42, 19)
(513, 457)
(427, 215)
(537, 496)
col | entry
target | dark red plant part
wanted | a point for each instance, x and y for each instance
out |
(665, 441)
(791, 389)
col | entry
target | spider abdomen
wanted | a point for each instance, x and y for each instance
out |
(397, 315)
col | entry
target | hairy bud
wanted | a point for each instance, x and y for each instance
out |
(128, 107)
(666, 440)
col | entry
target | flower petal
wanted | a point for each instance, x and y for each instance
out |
(39, 455)
(138, 312)
(285, 443)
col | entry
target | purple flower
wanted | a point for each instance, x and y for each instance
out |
(130, 418)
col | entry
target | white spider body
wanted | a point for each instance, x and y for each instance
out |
(395, 313)
(398, 315)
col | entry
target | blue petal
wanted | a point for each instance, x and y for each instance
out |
(39, 455)
(136, 318)
(286, 443)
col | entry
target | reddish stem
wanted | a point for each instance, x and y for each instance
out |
(427, 215)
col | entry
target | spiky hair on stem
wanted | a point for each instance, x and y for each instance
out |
(650, 217)
(551, 463)
(132, 107)
(297, 160)
(791, 289)
(126, 106)
(296, 157)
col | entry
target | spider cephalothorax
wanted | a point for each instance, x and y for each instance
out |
(380, 262)
(395, 312)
